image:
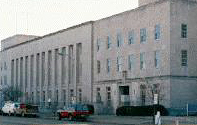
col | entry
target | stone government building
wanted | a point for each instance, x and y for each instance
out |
(120, 60)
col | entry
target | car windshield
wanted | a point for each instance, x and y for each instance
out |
(77, 107)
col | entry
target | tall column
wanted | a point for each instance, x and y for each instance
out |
(53, 76)
(62, 76)
(41, 76)
(74, 71)
(59, 78)
(21, 77)
(18, 74)
(24, 75)
(67, 75)
(28, 79)
(34, 78)
(14, 73)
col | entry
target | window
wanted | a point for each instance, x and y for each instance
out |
(98, 95)
(157, 58)
(142, 35)
(5, 66)
(157, 32)
(98, 44)
(119, 40)
(108, 65)
(80, 95)
(143, 94)
(183, 57)
(108, 42)
(119, 64)
(98, 66)
(131, 37)
(142, 63)
(108, 90)
(131, 62)
(184, 31)
(156, 88)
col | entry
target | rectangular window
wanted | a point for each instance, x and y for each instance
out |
(108, 65)
(5, 80)
(183, 30)
(21, 73)
(157, 59)
(131, 62)
(16, 73)
(108, 42)
(108, 90)
(98, 44)
(98, 66)
(56, 66)
(184, 57)
(131, 37)
(12, 72)
(63, 65)
(32, 71)
(26, 71)
(43, 69)
(80, 96)
(119, 40)
(119, 64)
(98, 95)
(142, 35)
(64, 96)
(142, 62)
(49, 67)
(157, 32)
(37, 69)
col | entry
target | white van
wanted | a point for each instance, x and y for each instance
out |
(10, 108)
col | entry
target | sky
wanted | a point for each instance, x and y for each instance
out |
(40, 17)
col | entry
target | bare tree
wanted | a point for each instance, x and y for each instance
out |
(152, 89)
(12, 93)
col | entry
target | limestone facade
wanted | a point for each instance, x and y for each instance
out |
(126, 59)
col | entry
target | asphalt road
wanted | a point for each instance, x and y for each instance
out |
(15, 120)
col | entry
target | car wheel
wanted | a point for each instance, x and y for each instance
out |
(9, 114)
(60, 118)
(70, 117)
(23, 114)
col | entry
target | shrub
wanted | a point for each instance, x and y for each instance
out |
(141, 110)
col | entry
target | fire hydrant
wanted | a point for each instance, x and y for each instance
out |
(158, 118)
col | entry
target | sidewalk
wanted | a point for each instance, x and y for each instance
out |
(135, 120)
(123, 120)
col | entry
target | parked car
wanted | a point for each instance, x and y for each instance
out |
(74, 111)
(20, 109)
(28, 109)
(10, 107)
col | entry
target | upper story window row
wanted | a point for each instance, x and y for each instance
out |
(131, 37)
(132, 62)
(143, 34)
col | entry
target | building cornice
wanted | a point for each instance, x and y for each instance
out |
(146, 78)
(47, 35)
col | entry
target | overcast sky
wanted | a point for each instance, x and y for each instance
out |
(40, 17)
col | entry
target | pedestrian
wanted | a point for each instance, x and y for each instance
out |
(158, 118)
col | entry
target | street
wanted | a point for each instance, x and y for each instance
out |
(8, 120)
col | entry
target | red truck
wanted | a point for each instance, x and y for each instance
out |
(74, 111)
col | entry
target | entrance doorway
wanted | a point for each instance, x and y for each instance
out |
(124, 95)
